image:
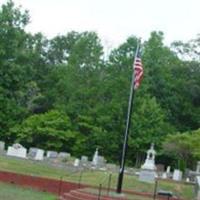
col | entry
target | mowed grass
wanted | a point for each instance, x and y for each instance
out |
(92, 177)
(131, 183)
(13, 192)
(29, 167)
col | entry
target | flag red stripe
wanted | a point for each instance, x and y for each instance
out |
(138, 72)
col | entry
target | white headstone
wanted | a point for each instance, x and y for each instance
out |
(76, 162)
(17, 150)
(168, 169)
(198, 180)
(177, 175)
(187, 180)
(198, 187)
(95, 158)
(36, 154)
(164, 175)
(39, 154)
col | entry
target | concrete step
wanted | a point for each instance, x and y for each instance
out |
(61, 198)
(69, 196)
(85, 195)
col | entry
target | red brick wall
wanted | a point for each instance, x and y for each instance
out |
(42, 184)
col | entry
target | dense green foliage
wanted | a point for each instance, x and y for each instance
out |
(51, 130)
(184, 147)
(61, 93)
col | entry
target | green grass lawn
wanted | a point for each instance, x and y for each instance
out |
(30, 167)
(91, 177)
(132, 183)
(13, 192)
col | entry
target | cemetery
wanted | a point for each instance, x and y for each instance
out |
(98, 103)
(87, 177)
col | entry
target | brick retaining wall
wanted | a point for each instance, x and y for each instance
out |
(42, 184)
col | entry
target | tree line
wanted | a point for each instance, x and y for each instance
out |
(64, 94)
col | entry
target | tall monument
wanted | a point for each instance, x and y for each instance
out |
(148, 169)
(95, 158)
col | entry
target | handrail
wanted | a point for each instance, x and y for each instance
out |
(104, 181)
(155, 189)
(80, 178)
(108, 185)
(69, 175)
(99, 194)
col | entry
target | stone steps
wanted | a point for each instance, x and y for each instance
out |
(79, 194)
(84, 195)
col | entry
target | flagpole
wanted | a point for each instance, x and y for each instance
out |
(125, 144)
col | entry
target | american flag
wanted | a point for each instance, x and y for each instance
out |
(138, 70)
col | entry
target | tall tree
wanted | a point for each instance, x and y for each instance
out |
(52, 130)
(183, 146)
(12, 75)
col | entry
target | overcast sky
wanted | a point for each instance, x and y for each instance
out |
(115, 20)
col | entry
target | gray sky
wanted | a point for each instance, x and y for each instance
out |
(115, 20)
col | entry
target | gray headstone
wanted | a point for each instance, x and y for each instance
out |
(101, 162)
(198, 167)
(64, 155)
(2, 146)
(32, 152)
(52, 154)
(84, 160)
(147, 176)
(36, 154)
